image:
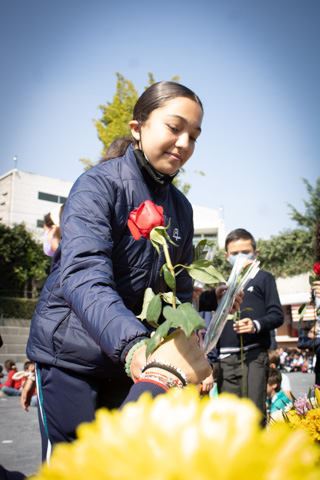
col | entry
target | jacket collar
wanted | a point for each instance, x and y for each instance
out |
(150, 174)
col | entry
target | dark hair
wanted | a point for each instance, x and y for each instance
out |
(274, 357)
(154, 97)
(117, 148)
(9, 364)
(240, 233)
(48, 220)
(275, 377)
(158, 95)
(27, 364)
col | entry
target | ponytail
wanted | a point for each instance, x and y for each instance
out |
(117, 148)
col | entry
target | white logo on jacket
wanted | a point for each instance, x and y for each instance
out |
(176, 234)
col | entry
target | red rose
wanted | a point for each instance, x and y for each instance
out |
(142, 220)
(316, 268)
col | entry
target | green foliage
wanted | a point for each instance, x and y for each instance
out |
(184, 317)
(22, 261)
(17, 307)
(311, 216)
(177, 182)
(288, 254)
(117, 114)
(221, 264)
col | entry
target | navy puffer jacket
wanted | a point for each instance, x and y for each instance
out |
(85, 318)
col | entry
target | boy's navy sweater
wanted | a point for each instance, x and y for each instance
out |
(261, 303)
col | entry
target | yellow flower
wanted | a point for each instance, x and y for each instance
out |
(312, 423)
(180, 436)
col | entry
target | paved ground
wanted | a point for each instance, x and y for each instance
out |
(20, 440)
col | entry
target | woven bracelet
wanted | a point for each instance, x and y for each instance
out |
(130, 355)
(161, 377)
(163, 364)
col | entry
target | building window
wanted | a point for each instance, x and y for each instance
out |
(51, 198)
(209, 236)
(40, 223)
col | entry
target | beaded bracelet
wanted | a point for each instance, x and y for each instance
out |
(160, 376)
(130, 355)
(155, 362)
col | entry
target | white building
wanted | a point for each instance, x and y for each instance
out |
(28, 197)
(208, 224)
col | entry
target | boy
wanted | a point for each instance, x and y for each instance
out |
(276, 398)
(260, 313)
(274, 362)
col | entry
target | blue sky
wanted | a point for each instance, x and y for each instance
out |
(254, 64)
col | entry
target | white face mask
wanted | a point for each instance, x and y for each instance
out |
(233, 258)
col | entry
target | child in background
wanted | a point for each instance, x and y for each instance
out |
(11, 387)
(274, 362)
(28, 375)
(276, 399)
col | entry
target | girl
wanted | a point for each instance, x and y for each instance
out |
(85, 326)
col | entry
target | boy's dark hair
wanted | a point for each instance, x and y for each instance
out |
(240, 233)
(275, 378)
(274, 357)
(27, 364)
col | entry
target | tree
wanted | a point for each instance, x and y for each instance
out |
(22, 262)
(288, 254)
(311, 216)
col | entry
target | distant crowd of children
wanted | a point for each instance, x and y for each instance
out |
(293, 360)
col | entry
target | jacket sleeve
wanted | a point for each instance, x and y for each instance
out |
(273, 317)
(208, 301)
(87, 279)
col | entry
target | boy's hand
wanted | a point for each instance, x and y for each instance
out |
(245, 325)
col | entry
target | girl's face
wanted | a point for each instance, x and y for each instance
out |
(168, 136)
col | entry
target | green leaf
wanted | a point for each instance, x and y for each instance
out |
(185, 317)
(169, 278)
(202, 263)
(160, 334)
(199, 249)
(233, 316)
(154, 311)
(247, 309)
(209, 275)
(148, 296)
(302, 311)
(157, 235)
(168, 298)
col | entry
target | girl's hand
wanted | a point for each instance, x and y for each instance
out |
(138, 360)
(184, 354)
